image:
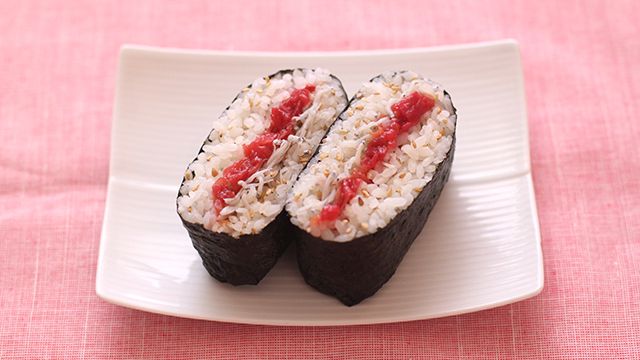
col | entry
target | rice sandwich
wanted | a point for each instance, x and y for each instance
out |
(366, 194)
(232, 196)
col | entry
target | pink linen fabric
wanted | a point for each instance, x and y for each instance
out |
(57, 75)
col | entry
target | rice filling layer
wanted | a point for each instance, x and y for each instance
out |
(262, 196)
(396, 181)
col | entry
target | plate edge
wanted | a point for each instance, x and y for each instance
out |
(126, 48)
(108, 199)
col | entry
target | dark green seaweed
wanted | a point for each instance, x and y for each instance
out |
(247, 259)
(354, 270)
(244, 260)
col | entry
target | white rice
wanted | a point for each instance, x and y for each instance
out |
(263, 195)
(396, 182)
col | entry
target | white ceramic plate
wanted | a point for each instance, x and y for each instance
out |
(479, 249)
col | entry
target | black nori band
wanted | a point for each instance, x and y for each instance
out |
(244, 260)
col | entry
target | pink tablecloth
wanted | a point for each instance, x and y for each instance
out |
(57, 75)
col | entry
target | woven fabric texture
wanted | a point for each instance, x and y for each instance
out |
(57, 78)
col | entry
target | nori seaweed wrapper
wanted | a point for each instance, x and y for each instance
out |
(354, 270)
(240, 261)
(247, 259)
